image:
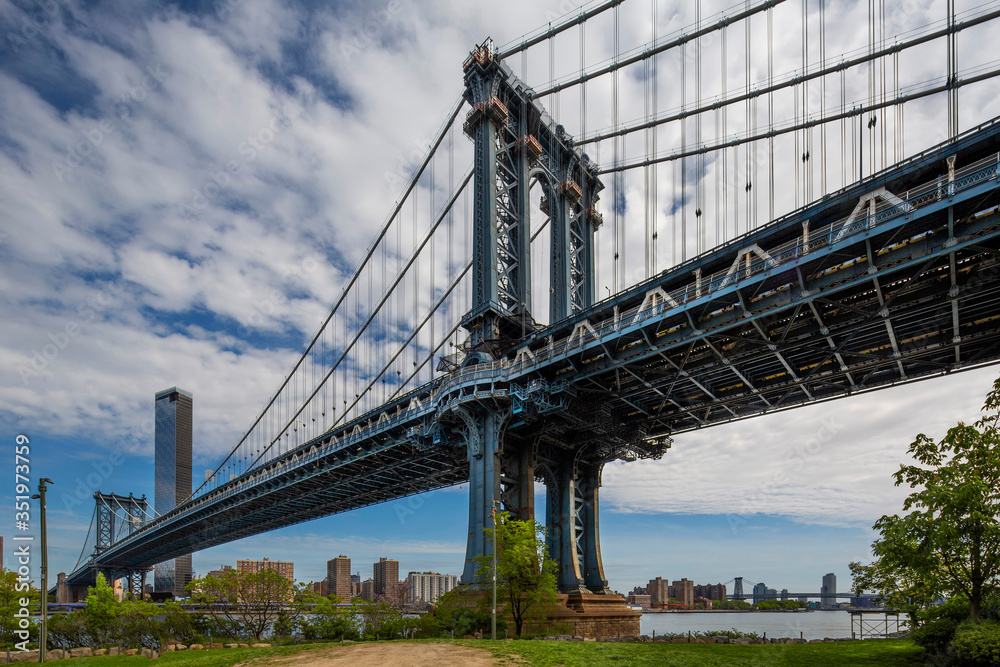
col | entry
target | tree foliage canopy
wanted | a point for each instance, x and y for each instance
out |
(526, 575)
(247, 603)
(948, 541)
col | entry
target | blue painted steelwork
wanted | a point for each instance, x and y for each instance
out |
(892, 280)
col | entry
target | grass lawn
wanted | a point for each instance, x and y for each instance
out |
(883, 653)
(223, 657)
(896, 652)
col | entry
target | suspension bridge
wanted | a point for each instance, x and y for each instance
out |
(541, 301)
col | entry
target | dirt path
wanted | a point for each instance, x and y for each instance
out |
(394, 654)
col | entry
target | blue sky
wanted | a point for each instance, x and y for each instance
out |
(118, 116)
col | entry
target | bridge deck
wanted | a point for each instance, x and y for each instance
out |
(767, 322)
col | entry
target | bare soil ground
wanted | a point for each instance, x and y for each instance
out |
(395, 654)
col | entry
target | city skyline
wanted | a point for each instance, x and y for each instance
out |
(221, 303)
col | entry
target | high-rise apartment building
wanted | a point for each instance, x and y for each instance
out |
(172, 450)
(338, 577)
(828, 590)
(283, 568)
(658, 591)
(684, 592)
(429, 586)
(711, 591)
(385, 575)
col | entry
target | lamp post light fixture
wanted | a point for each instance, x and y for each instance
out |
(493, 618)
(43, 593)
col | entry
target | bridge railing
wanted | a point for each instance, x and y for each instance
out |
(914, 199)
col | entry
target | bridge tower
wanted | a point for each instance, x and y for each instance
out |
(737, 589)
(517, 144)
(116, 518)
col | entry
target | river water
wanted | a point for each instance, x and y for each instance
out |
(811, 624)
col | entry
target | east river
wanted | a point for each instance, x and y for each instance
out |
(811, 625)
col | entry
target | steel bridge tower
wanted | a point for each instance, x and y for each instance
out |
(516, 145)
(112, 527)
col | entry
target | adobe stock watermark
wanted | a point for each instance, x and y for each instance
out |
(86, 311)
(374, 25)
(407, 507)
(247, 151)
(93, 138)
(757, 501)
(33, 23)
(406, 166)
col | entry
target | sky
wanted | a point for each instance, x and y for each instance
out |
(120, 118)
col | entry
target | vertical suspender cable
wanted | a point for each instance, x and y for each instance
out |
(748, 149)
(822, 93)
(699, 220)
(725, 132)
(683, 202)
(616, 159)
(656, 183)
(770, 112)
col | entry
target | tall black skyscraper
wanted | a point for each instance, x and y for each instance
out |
(174, 411)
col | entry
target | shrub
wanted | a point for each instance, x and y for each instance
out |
(328, 621)
(976, 644)
(67, 631)
(936, 625)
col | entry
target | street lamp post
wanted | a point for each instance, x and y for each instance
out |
(493, 619)
(43, 597)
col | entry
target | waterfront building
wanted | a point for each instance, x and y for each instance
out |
(367, 589)
(338, 577)
(711, 591)
(683, 592)
(639, 599)
(658, 591)
(285, 569)
(427, 587)
(173, 420)
(385, 575)
(784, 594)
(321, 587)
(221, 571)
(828, 591)
(759, 592)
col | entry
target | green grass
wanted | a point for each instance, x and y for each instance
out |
(889, 653)
(880, 653)
(224, 657)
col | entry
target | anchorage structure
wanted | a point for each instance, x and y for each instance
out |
(517, 144)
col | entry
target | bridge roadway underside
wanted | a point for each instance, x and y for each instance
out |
(913, 293)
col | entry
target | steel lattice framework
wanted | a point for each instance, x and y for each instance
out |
(890, 279)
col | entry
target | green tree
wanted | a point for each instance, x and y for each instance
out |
(101, 612)
(948, 542)
(526, 575)
(328, 620)
(246, 603)
(12, 592)
(453, 615)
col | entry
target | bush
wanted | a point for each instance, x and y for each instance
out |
(67, 631)
(976, 644)
(455, 614)
(328, 621)
(936, 626)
